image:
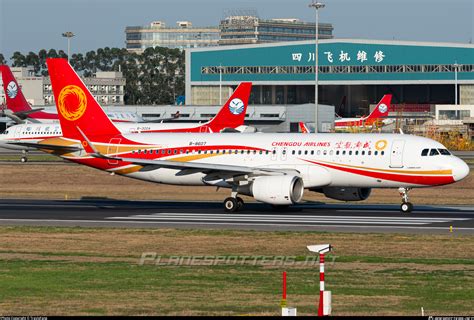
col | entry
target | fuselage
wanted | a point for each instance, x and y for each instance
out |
(335, 160)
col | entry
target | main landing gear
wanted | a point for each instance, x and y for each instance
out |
(406, 206)
(233, 203)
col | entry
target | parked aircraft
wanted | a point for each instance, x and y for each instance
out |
(376, 118)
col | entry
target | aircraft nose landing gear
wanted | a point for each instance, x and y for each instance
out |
(406, 206)
(24, 158)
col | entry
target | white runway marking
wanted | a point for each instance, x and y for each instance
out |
(109, 222)
(284, 219)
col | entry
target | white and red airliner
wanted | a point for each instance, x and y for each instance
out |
(273, 168)
(376, 117)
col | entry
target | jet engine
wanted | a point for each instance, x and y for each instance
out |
(277, 190)
(347, 194)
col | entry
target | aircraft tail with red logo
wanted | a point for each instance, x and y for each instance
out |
(232, 113)
(78, 111)
(18, 108)
(15, 99)
(303, 127)
(382, 109)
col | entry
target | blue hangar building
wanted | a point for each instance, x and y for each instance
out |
(352, 73)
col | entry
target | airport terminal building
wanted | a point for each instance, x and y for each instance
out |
(354, 73)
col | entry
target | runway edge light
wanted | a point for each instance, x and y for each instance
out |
(324, 308)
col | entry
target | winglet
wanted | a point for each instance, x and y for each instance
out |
(303, 127)
(86, 143)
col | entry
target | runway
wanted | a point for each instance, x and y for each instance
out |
(255, 216)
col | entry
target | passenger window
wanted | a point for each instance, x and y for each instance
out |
(319, 152)
(175, 151)
(363, 152)
(299, 152)
(169, 151)
(331, 152)
(382, 152)
(344, 152)
(325, 152)
(312, 152)
(376, 152)
(369, 152)
(424, 153)
(199, 151)
(357, 152)
(337, 152)
(434, 152)
(350, 152)
(306, 152)
(274, 151)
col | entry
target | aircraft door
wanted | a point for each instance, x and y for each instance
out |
(17, 132)
(396, 154)
(113, 148)
(204, 129)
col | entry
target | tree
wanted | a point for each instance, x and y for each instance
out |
(2, 59)
(154, 77)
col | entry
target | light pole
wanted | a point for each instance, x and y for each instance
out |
(68, 35)
(317, 6)
(456, 66)
(220, 84)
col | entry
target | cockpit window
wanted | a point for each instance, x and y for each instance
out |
(434, 152)
(424, 153)
(444, 152)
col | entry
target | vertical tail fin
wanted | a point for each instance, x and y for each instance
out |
(382, 109)
(16, 101)
(78, 111)
(232, 113)
(303, 127)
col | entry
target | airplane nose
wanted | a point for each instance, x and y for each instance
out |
(460, 170)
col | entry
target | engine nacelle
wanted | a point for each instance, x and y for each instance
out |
(277, 190)
(347, 194)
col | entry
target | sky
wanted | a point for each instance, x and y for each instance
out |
(31, 25)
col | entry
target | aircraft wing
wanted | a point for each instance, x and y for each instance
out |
(204, 167)
(221, 170)
(49, 147)
(20, 117)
